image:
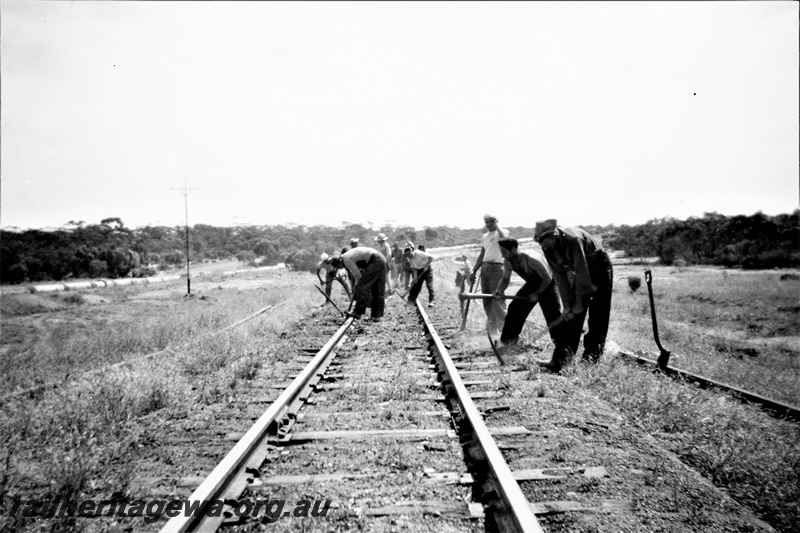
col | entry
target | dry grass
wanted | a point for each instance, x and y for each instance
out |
(83, 438)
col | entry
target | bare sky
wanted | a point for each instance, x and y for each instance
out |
(417, 113)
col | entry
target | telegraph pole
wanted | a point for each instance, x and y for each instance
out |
(186, 190)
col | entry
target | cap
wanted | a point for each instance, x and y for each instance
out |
(323, 257)
(489, 218)
(544, 228)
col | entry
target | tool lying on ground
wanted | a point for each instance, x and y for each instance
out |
(663, 358)
(331, 301)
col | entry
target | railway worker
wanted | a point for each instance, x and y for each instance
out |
(370, 287)
(539, 287)
(584, 276)
(490, 263)
(332, 273)
(383, 247)
(420, 261)
(464, 271)
(408, 270)
(396, 263)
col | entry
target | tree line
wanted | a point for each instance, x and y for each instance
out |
(110, 249)
(754, 242)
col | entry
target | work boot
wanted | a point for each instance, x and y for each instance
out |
(561, 356)
(591, 353)
(590, 357)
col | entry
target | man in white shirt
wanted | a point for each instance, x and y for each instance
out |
(420, 261)
(383, 247)
(490, 262)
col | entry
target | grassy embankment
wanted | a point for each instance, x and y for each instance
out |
(82, 438)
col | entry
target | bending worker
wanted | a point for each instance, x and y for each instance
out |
(539, 288)
(370, 287)
(584, 276)
(332, 273)
(420, 261)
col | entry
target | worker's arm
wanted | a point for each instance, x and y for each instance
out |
(351, 267)
(544, 273)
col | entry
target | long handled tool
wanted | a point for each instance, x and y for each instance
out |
(329, 299)
(403, 296)
(478, 296)
(663, 358)
(465, 311)
(494, 347)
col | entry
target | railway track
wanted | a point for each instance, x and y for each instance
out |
(400, 425)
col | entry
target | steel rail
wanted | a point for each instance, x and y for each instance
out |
(236, 460)
(511, 510)
(773, 407)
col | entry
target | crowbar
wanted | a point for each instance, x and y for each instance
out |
(329, 299)
(403, 296)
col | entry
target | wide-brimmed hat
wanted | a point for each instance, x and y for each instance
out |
(544, 228)
(354, 239)
(380, 238)
(323, 257)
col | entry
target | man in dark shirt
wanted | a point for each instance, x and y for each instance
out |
(539, 288)
(584, 275)
(370, 287)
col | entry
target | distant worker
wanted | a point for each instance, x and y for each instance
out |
(464, 271)
(420, 261)
(490, 263)
(539, 288)
(584, 276)
(370, 288)
(353, 244)
(408, 270)
(332, 273)
(383, 247)
(396, 263)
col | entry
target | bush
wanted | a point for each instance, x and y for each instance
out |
(634, 282)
